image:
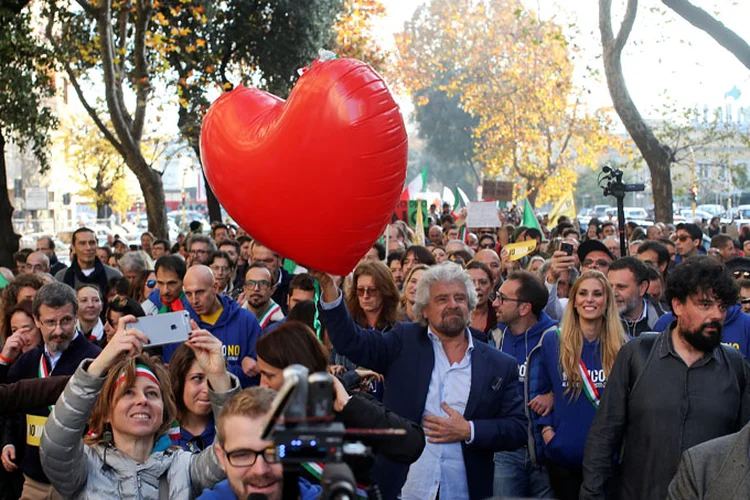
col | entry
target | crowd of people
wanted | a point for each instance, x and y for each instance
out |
(572, 372)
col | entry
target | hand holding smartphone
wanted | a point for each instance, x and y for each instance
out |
(167, 328)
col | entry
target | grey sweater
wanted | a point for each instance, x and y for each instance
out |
(80, 471)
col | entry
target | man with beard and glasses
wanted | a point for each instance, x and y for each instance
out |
(464, 393)
(669, 392)
(62, 349)
(253, 469)
(259, 287)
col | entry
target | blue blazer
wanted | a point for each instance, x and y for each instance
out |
(405, 357)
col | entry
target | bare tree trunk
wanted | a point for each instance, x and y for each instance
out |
(658, 156)
(8, 237)
(153, 193)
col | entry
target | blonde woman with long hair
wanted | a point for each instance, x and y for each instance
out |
(574, 365)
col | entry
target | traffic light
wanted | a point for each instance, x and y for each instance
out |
(694, 193)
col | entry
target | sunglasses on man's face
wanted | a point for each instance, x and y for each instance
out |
(739, 274)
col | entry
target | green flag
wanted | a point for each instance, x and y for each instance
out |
(529, 219)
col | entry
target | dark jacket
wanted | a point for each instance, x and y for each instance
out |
(715, 470)
(405, 357)
(647, 323)
(28, 394)
(27, 367)
(654, 409)
(282, 290)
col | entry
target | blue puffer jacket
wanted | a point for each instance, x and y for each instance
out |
(535, 384)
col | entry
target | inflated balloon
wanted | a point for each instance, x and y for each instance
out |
(315, 178)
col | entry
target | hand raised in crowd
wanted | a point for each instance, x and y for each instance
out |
(453, 429)
(542, 404)
(209, 357)
(14, 347)
(327, 285)
(250, 366)
(125, 342)
(561, 261)
(8, 456)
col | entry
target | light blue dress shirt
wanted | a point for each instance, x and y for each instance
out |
(441, 466)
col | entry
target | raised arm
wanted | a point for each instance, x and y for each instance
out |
(368, 348)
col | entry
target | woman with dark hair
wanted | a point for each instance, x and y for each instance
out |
(129, 409)
(373, 297)
(143, 285)
(414, 255)
(116, 309)
(440, 255)
(295, 343)
(483, 316)
(190, 389)
(21, 333)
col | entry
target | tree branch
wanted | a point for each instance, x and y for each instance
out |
(713, 27)
(142, 84)
(627, 25)
(118, 112)
(88, 8)
(79, 92)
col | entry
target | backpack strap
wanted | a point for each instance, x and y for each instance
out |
(737, 362)
(643, 353)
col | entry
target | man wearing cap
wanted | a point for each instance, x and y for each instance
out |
(592, 254)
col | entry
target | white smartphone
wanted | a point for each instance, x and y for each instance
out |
(166, 328)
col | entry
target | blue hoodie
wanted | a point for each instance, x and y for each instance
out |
(570, 418)
(223, 491)
(519, 346)
(237, 329)
(736, 331)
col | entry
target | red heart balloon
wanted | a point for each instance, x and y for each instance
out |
(314, 178)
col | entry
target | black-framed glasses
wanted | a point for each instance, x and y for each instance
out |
(745, 301)
(502, 298)
(247, 458)
(261, 284)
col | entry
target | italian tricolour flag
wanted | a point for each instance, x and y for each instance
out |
(415, 186)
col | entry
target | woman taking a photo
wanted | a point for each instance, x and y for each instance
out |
(575, 365)
(126, 399)
(190, 387)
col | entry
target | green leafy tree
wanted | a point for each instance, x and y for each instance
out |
(24, 117)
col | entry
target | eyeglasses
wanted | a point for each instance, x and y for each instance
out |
(247, 458)
(261, 284)
(745, 301)
(65, 322)
(489, 246)
(684, 237)
(370, 291)
(502, 298)
(200, 251)
(598, 264)
(738, 275)
(220, 269)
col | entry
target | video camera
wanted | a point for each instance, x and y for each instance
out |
(310, 436)
(615, 187)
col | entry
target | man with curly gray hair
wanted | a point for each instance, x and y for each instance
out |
(463, 392)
